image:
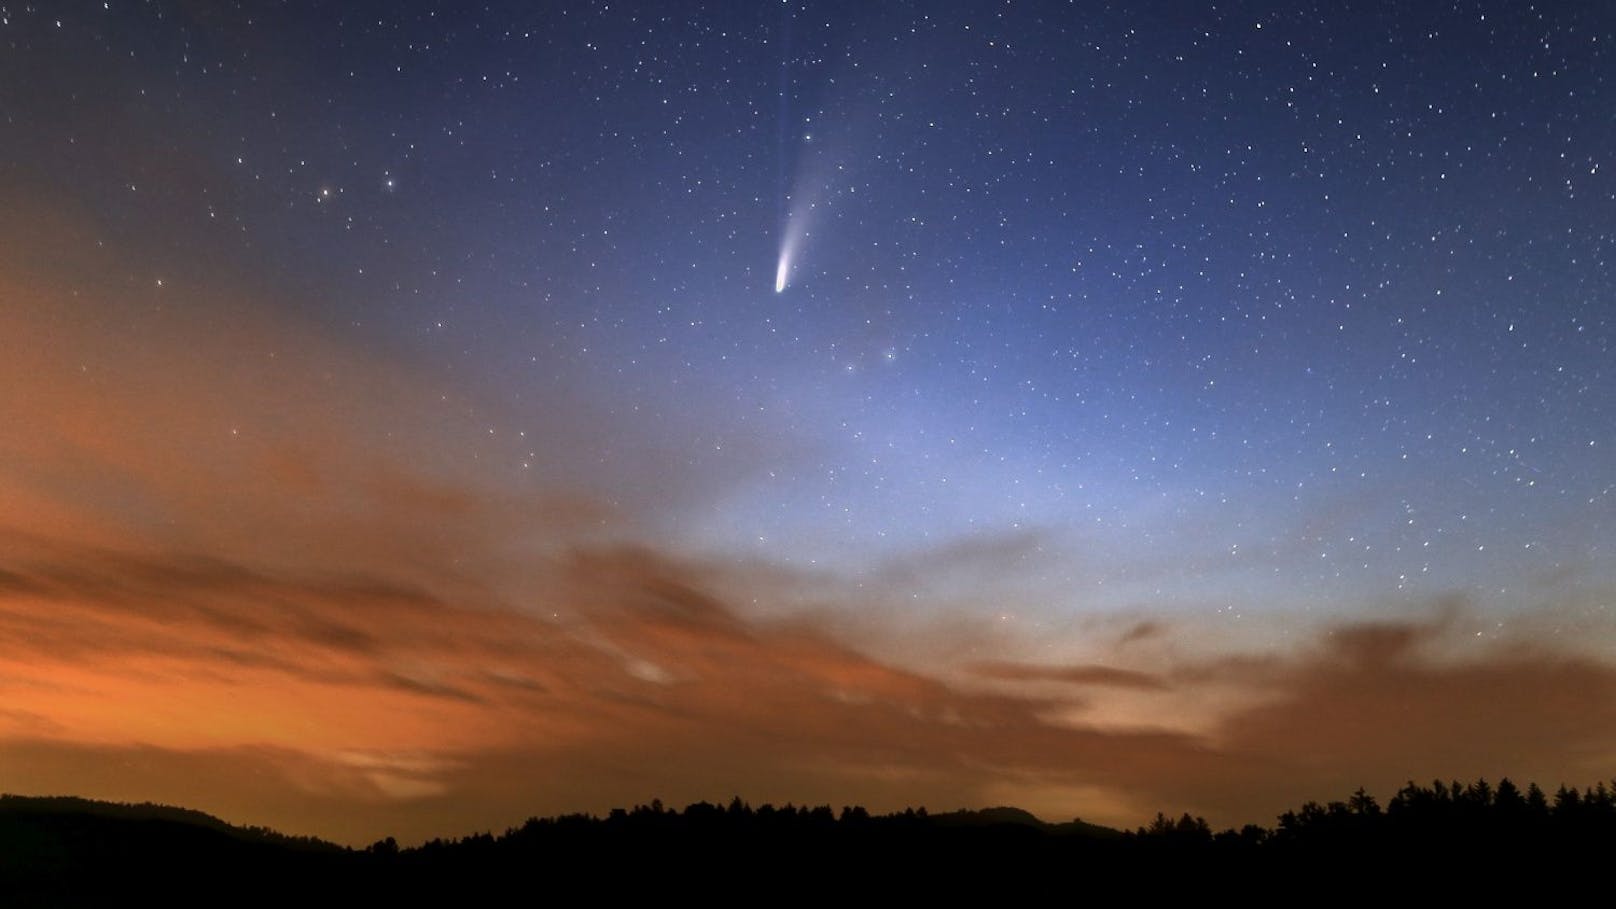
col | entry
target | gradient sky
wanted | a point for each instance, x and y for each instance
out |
(1166, 407)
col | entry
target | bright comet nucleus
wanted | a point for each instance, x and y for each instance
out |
(780, 272)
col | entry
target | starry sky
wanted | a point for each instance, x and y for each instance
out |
(419, 417)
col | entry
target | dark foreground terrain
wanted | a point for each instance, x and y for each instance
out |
(1426, 841)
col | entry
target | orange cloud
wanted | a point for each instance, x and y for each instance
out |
(371, 699)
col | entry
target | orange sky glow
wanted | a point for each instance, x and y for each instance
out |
(249, 569)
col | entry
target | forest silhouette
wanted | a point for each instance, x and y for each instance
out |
(1441, 837)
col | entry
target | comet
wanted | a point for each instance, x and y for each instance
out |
(794, 234)
(796, 230)
(781, 271)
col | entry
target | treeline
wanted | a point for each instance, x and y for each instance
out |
(1471, 815)
(1456, 811)
(1437, 827)
(739, 820)
(71, 851)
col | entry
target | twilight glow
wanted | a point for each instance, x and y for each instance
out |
(1174, 409)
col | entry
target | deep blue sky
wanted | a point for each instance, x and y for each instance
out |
(1329, 285)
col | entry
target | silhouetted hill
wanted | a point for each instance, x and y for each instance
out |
(62, 851)
(1017, 817)
(20, 806)
(989, 816)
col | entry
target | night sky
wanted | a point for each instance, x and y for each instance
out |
(414, 419)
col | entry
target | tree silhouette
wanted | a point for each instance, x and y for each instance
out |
(54, 849)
